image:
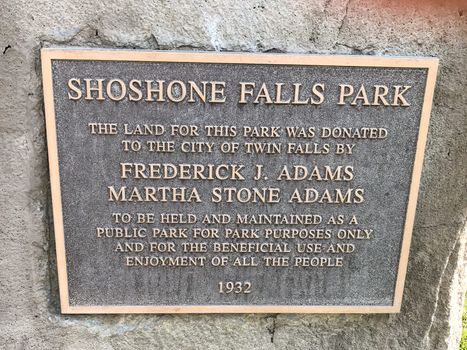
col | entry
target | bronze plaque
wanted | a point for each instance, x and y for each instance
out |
(230, 183)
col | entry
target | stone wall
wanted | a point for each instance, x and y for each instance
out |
(29, 313)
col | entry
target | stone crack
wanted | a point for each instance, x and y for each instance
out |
(426, 338)
(272, 328)
(344, 18)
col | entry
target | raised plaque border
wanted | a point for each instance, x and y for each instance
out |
(89, 54)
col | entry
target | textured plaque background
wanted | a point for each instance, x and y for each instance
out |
(88, 164)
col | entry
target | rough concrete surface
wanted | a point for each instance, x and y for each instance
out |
(29, 312)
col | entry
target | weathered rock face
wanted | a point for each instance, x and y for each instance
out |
(430, 317)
